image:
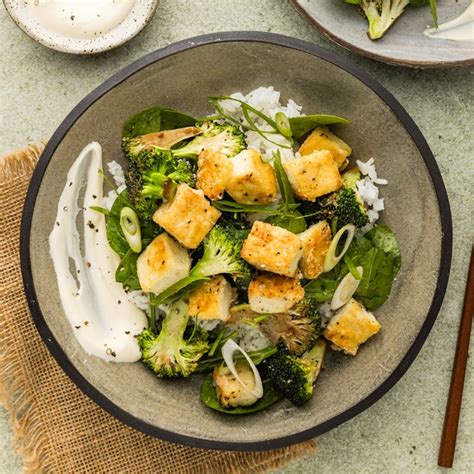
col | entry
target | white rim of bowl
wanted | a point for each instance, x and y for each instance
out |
(140, 16)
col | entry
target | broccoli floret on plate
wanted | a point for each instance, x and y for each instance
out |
(224, 138)
(168, 353)
(295, 376)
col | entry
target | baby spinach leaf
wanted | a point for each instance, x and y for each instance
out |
(302, 125)
(383, 238)
(155, 119)
(376, 283)
(126, 272)
(209, 398)
(322, 288)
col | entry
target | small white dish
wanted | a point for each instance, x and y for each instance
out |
(98, 25)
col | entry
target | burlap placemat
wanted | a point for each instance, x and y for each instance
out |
(56, 427)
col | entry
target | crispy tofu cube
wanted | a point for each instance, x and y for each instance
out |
(313, 175)
(316, 241)
(322, 139)
(270, 293)
(272, 248)
(214, 170)
(230, 392)
(161, 264)
(211, 300)
(350, 327)
(252, 181)
(188, 217)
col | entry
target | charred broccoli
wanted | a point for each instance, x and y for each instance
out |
(345, 205)
(168, 354)
(225, 138)
(148, 175)
(295, 376)
(165, 139)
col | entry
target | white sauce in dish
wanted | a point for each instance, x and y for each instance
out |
(104, 321)
(85, 19)
(459, 29)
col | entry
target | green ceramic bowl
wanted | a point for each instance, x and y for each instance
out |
(182, 76)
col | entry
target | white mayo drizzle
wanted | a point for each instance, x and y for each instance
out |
(103, 320)
(459, 29)
(85, 19)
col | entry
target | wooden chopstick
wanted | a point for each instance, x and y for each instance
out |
(453, 407)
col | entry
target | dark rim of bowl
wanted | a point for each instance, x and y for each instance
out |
(457, 63)
(195, 42)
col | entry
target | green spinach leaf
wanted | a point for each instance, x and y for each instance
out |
(322, 288)
(376, 283)
(302, 125)
(383, 238)
(155, 119)
(126, 272)
(209, 397)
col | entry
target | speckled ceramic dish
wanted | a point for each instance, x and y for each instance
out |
(182, 76)
(140, 14)
(404, 44)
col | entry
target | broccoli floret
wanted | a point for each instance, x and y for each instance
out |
(381, 14)
(149, 174)
(222, 248)
(345, 205)
(225, 138)
(295, 376)
(168, 354)
(164, 139)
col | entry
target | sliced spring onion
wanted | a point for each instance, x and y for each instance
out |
(228, 350)
(345, 290)
(130, 226)
(283, 124)
(332, 259)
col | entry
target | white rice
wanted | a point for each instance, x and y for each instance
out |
(369, 192)
(267, 101)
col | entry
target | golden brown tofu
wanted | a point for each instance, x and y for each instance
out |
(272, 249)
(252, 181)
(350, 327)
(322, 139)
(316, 241)
(270, 293)
(214, 170)
(230, 392)
(162, 264)
(313, 175)
(211, 300)
(188, 217)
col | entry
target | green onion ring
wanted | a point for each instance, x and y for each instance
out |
(332, 259)
(283, 124)
(130, 226)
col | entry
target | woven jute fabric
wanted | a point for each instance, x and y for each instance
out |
(56, 427)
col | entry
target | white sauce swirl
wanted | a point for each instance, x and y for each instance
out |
(104, 321)
(459, 29)
(84, 19)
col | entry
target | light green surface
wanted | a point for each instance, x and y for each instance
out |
(401, 432)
